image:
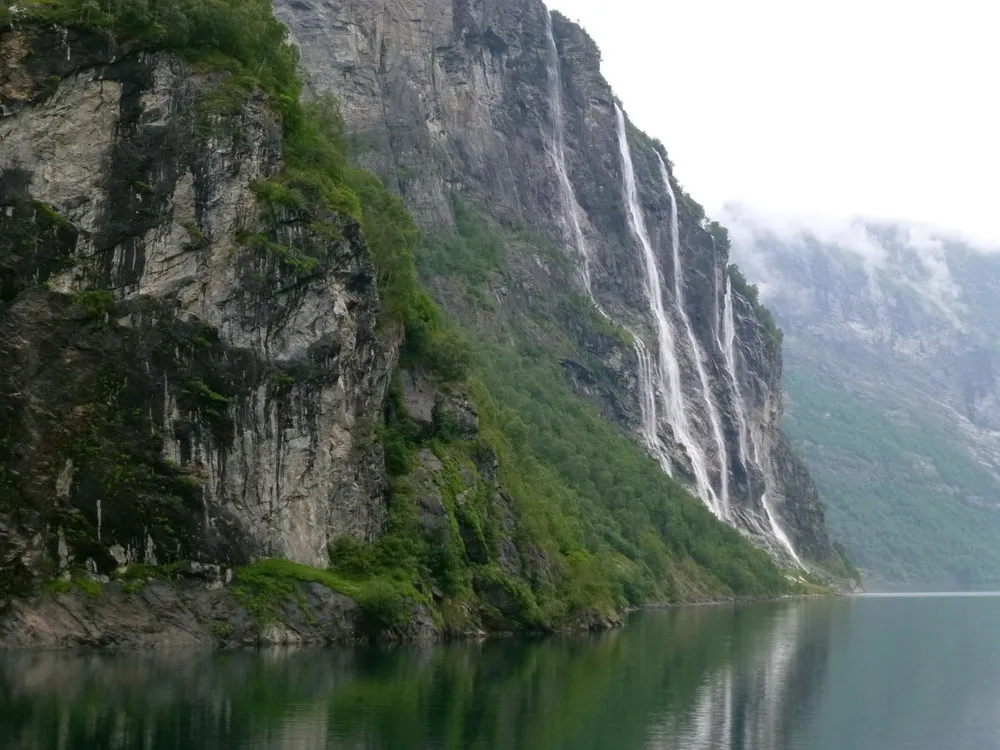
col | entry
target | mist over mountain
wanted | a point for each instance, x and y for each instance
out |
(891, 377)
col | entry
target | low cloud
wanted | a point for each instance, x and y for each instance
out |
(890, 253)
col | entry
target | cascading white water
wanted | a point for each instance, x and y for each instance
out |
(573, 223)
(728, 345)
(671, 388)
(647, 403)
(779, 533)
(663, 383)
(698, 355)
(571, 208)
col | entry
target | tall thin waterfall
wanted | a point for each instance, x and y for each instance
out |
(660, 384)
(570, 207)
(647, 403)
(779, 533)
(728, 345)
(671, 388)
(729, 350)
(572, 221)
(696, 351)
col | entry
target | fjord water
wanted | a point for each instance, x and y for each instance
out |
(886, 673)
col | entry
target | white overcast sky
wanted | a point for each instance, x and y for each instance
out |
(878, 108)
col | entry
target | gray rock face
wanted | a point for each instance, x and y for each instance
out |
(233, 395)
(188, 614)
(449, 100)
(892, 356)
(176, 392)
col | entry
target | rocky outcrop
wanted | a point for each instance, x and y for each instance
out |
(171, 390)
(166, 615)
(449, 101)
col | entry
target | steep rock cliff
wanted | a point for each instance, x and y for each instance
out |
(220, 353)
(169, 391)
(471, 107)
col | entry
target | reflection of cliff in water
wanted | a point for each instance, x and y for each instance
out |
(776, 660)
(713, 677)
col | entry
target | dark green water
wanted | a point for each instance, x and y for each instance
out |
(878, 673)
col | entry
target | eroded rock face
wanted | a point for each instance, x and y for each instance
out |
(449, 100)
(187, 614)
(169, 392)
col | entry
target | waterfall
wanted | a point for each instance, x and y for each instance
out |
(779, 533)
(728, 344)
(572, 213)
(660, 383)
(570, 207)
(647, 403)
(696, 351)
(671, 389)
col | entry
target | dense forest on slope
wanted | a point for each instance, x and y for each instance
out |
(888, 474)
(550, 515)
(891, 384)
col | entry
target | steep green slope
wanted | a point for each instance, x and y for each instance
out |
(541, 516)
(891, 378)
(898, 483)
(617, 519)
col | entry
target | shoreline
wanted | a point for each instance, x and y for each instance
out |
(164, 615)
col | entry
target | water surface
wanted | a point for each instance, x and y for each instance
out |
(876, 672)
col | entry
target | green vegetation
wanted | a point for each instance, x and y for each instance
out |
(456, 550)
(888, 474)
(625, 531)
(302, 265)
(473, 252)
(97, 303)
(79, 581)
(615, 529)
(134, 577)
(720, 235)
(602, 525)
(591, 524)
(318, 184)
(266, 587)
(241, 35)
(750, 293)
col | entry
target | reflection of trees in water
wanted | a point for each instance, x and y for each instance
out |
(719, 677)
(775, 663)
(160, 701)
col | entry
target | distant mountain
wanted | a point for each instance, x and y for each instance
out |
(892, 362)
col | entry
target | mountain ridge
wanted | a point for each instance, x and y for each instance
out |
(889, 333)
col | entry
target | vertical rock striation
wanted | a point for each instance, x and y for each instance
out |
(453, 100)
(169, 390)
